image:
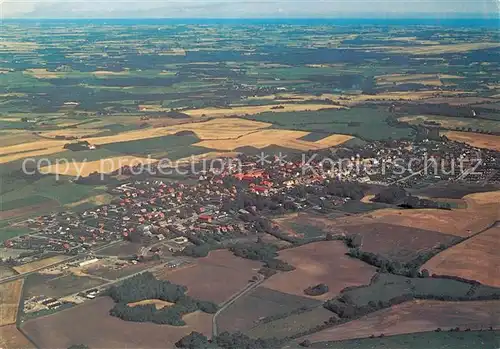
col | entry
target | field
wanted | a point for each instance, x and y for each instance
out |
(454, 123)
(40, 264)
(12, 338)
(58, 286)
(215, 278)
(475, 259)
(320, 262)
(251, 110)
(283, 138)
(475, 139)
(58, 330)
(10, 295)
(416, 316)
(441, 340)
(263, 302)
(291, 325)
(107, 165)
(159, 304)
(425, 79)
(398, 243)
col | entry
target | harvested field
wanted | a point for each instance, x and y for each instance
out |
(159, 304)
(416, 316)
(291, 325)
(107, 165)
(31, 149)
(10, 295)
(97, 200)
(475, 259)
(58, 286)
(251, 110)
(397, 242)
(284, 138)
(475, 139)
(320, 262)
(214, 278)
(58, 330)
(262, 302)
(72, 132)
(6, 271)
(12, 338)
(109, 272)
(40, 264)
(453, 123)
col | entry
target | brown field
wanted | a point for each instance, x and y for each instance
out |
(452, 123)
(159, 304)
(320, 262)
(72, 132)
(396, 242)
(251, 110)
(40, 264)
(248, 311)
(476, 259)
(14, 137)
(10, 295)
(416, 316)
(106, 165)
(12, 338)
(41, 73)
(265, 138)
(214, 278)
(475, 139)
(106, 72)
(98, 329)
(6, 271)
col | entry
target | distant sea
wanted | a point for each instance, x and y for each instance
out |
(442, 22)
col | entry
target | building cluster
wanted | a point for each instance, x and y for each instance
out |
(226, 204)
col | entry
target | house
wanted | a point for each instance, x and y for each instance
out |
(205, 218)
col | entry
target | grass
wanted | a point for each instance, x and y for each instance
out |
(11, 232)
(365, 123)
(426, 340)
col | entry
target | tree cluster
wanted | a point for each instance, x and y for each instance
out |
(316, 290)
(263, 252)
(226, 340)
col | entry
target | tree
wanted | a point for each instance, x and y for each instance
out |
(78, 346)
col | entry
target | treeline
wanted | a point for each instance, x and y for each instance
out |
(263, 252)
(146, 286)
(398, 196)
(227, 340)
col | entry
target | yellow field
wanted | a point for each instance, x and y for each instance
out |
(36, 265)
(95, 200)
(159, 304)
(475, 139)
(284, 138)
(208, 156)
(43, 73)
(10, 295)
(18, 46)
(32, 149)
(106, 165)
(105, 72)
(71, 132)
(251, 110)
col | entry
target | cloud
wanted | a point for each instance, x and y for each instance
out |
(243, 9)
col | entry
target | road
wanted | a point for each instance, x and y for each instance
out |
(247, 289)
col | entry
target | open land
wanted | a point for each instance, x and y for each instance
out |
(416, 316)
(475, 139)
(10, 295)
(316, 263)
(58, 330)
(39, 264)
(215, 278)
(12, 338)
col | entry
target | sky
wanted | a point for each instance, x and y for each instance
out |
(248, 8)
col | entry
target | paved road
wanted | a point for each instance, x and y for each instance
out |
(247, 289)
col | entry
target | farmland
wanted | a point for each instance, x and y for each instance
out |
(216, 277)
(475, 139)
(12, 338)
(58, 330)
(246, 312)
(475, 258)
(40, 264)
(323, 262)
(9, 301)
(417, 316)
